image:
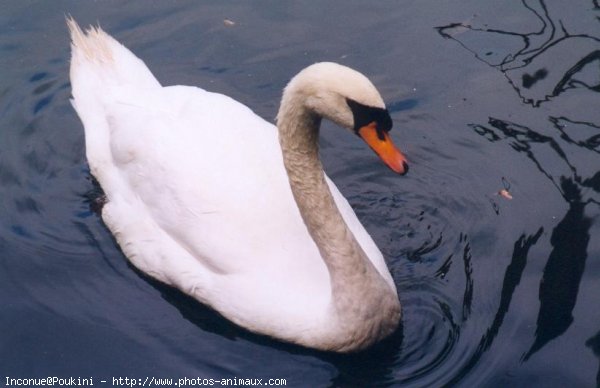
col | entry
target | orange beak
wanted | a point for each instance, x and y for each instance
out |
(384, 148)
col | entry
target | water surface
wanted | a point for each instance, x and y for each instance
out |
(485, 96)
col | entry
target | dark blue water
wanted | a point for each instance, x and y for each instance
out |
(485, 96)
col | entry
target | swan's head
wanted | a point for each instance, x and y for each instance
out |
(349, 99)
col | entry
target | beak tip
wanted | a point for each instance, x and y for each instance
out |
(401, 169)
(405, 168)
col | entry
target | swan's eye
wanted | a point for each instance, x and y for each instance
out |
(364, 115)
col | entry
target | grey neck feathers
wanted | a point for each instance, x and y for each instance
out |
(362, 301)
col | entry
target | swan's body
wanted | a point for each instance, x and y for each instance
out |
(199, 198)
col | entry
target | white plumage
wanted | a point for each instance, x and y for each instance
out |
(199, 198)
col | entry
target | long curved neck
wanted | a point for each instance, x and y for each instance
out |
(357, 288)
(343, 256)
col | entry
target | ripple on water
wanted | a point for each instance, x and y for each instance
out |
(431, 332)
(424, 235)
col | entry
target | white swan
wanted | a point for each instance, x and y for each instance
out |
(205, 196)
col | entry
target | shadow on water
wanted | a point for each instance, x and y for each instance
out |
(527, 141)
(512, 278)
(594, 344)
(539, 64)
(468, 270)
(563, 272)
(564, 269)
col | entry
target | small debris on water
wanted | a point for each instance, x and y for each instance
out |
(229, 23)
(505, 193)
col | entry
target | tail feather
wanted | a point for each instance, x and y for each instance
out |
(94, 51)
(93, 44)
(101, 68)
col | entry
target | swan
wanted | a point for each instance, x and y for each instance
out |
(204, 195)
